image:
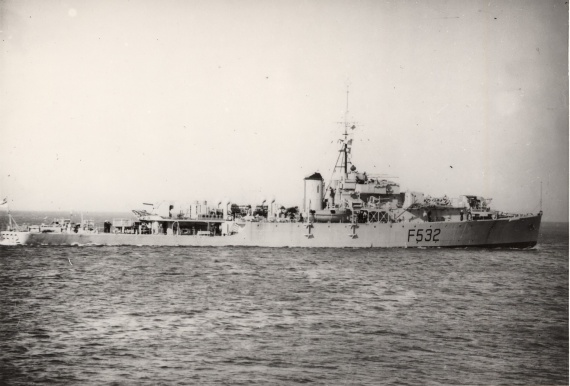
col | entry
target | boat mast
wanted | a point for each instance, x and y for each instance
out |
(345, 137)
(541, 196)
(12, 224)
(341, 165)
(9, 218)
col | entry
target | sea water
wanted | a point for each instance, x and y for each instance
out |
(209, 316)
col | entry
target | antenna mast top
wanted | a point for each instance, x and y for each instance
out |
(346, 114)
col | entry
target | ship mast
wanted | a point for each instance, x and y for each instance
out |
(541, 196)
(345, 137)
(341, 165)
(345, 142)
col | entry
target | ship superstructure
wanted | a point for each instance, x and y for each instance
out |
(360, 197)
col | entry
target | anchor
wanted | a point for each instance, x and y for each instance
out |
(309, 235)
(353, 235)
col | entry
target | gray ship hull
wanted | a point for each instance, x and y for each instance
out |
(518, 232)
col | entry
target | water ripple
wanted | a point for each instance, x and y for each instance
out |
(149, 315)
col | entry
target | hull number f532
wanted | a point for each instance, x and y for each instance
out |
(419, 235)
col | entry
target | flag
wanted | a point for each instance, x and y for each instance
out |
(4, 202)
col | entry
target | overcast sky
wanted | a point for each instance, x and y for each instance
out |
(109, 104)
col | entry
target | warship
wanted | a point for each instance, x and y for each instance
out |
(353, 209)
